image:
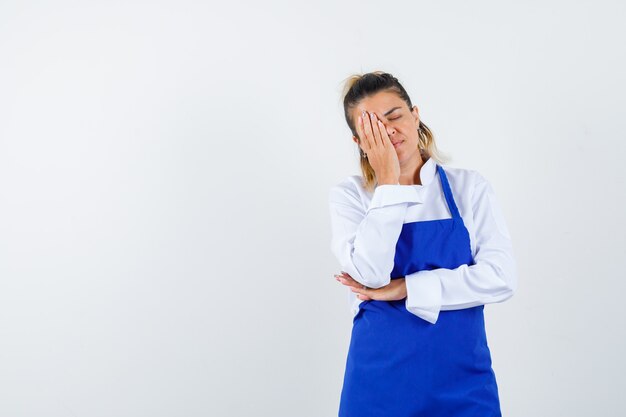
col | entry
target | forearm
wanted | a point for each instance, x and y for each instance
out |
(364, 240)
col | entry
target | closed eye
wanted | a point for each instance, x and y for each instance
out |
(395, 118)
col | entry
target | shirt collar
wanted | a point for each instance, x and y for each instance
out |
(427, 171)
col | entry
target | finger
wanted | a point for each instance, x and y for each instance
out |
(386, 140)
(350, 279)
(376, 130)
(360, 291)
(345, 274)
(348, 282)
(367, 137)
(353, 286)
(342, 278)
(363, 141)
(368, 128)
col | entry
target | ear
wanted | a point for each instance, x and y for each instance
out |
(416, 115)
(355, 139)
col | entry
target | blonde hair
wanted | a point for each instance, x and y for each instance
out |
(357, 87)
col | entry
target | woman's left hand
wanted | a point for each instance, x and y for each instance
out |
(395, 290)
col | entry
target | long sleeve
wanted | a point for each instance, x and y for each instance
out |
(364, 239)
(491, 279)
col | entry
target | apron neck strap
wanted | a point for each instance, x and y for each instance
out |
(454, 211)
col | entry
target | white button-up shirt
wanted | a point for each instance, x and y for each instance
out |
(366, 227)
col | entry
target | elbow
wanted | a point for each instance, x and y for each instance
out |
(372, 275)
(511, 279)
(510, 276)
(378, 283)
(506, 294)
(366, 275)
(503, 282)
(498, 293)
(509, 284)
(511, 287)
(373, 279)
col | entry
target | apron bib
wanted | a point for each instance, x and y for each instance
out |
(400, 365)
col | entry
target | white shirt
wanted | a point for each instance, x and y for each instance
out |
(366, 227)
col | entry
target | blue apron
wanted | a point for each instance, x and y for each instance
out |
(400, 365)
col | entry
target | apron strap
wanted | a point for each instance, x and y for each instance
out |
(454, 211)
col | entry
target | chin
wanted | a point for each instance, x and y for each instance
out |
(403, 155)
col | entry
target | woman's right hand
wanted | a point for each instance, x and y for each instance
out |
(380, 152)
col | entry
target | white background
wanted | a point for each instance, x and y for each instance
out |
(164, 172)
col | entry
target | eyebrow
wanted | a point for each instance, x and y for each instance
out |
(392, 110)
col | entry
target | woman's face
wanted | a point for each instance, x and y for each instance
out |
(400, 122)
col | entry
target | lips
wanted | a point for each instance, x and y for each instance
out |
(396, 144)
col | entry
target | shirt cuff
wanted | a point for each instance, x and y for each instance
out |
(423, 299)
(390, 194)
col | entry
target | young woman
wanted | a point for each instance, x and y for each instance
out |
(422, 249)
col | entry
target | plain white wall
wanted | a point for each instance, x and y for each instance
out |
(164, 170)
